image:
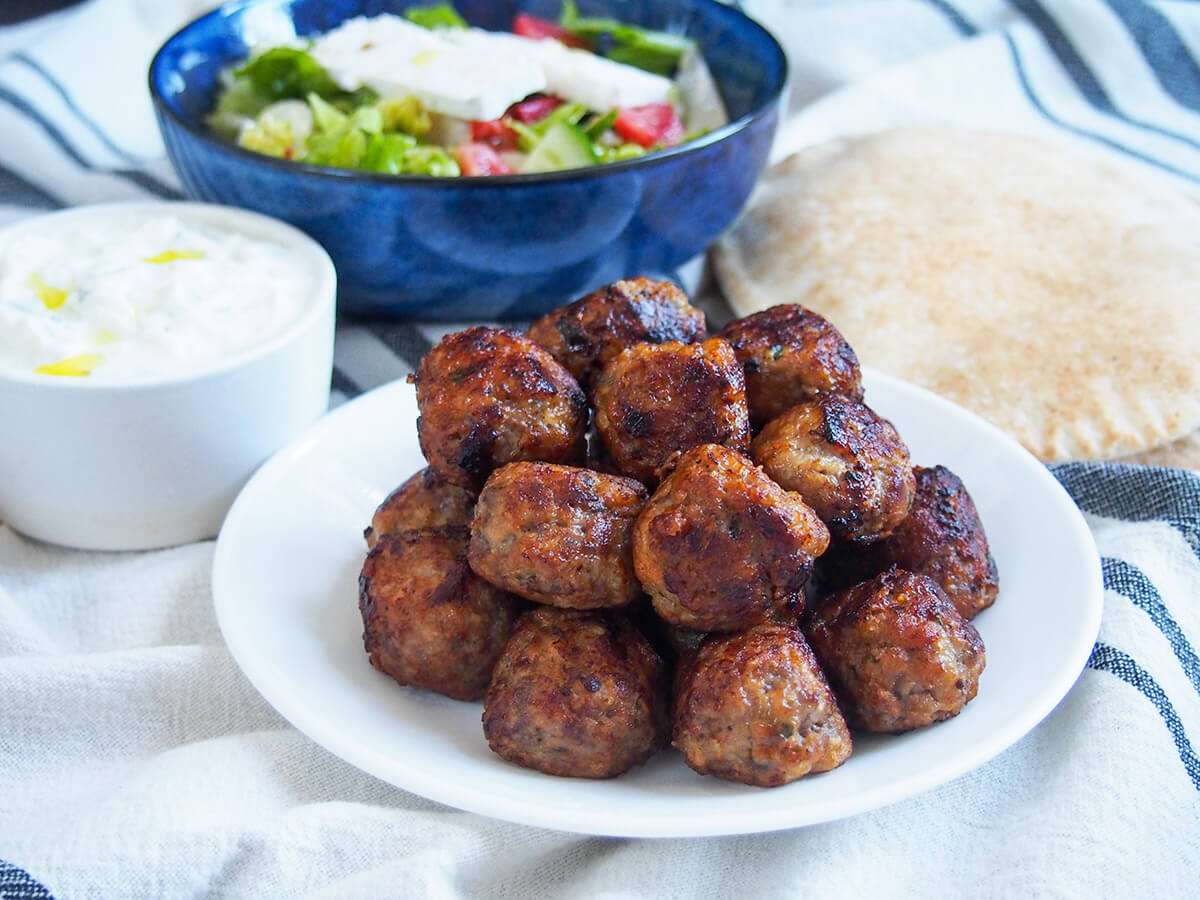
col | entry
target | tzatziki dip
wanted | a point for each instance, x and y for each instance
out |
(136, 296)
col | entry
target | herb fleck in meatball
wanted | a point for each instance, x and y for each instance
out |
(424, 501)
(429, 621)
(576, 693)
(847, 463)
(897, 652)
(558, 535)
(488, 397)
(586, 334)
(791, 354)
(754, 707)
(654, 401)
(720, 545)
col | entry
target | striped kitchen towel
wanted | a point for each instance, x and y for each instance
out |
(185, 783)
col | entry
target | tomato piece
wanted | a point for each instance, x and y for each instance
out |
(533, 27)
(655, 123)
(534, 109)
(494, 133)
(480, 159)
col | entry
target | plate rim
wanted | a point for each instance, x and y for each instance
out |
(598, 821)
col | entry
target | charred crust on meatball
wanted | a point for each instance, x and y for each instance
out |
(425, 500)
(791, 354)
(719, 546)
(558, 535)
(428, 620)
(586, 334)
(754, 707)
(577, 693)
(847, 462)
(897, 652)
(488, 396)
(942, 537)
(655, 400)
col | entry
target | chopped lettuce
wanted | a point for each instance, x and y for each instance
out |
(645, 48)
(326, 117)
(405, 114)
(620, 152)
(285, 72)
(439, 15)
(269, 137)
(342, 149)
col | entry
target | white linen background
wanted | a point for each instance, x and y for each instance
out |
(137, 761)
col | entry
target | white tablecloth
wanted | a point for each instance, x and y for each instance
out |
(137, 761)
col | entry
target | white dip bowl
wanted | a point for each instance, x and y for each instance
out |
(124, 459)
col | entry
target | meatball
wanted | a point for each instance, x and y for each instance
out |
(488, 397)
(654, 401)
(754, 707)
(424, 501)
(720, 545)
(897, 652)
(577, 693)
(943, 538)
(428, 620)
(847, 463)
(791, 354)
(586, 334)
(558, 535)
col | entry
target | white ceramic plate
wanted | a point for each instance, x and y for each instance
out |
(285, 582)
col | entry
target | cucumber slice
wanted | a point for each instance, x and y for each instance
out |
(564, 146)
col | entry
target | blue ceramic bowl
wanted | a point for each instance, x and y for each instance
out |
(485, 247)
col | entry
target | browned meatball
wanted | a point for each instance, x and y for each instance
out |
(488, 397)
(576, 693)
(720, 544)
(754, 707)
(586, 334)
(656, 400)
(847, 463)
(791, 354)
(897, 652)
(424, 501)
(429, 621)
(943, 538)
(558, 535)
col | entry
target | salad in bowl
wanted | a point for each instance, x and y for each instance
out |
(425, 94)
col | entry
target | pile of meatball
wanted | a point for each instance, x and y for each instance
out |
(631, 534)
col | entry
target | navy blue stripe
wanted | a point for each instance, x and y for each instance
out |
(1132, 583)
(1023, 78)
(1109, 659)
(1136, 494)
(70, 103)
(17, 884)
(965, 28)
(16, 190)
(403, 339)
(340, 381)
(1166, 54)
(1085, 80)
(144, 181)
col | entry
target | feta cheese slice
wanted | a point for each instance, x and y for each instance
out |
(598, 83)
(472, 79)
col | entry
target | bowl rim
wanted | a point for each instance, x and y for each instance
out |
(359, 176)
(320, 299)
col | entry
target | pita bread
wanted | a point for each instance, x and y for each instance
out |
(1181, 454)
(1053, 294)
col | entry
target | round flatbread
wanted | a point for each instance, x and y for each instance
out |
(1180, 454)
(1054, 294)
